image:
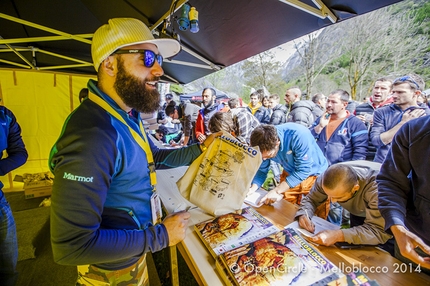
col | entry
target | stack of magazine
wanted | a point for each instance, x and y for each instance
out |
(249, 250)
(232, 230)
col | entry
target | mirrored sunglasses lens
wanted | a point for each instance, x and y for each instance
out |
(160, 60)
(149, 59)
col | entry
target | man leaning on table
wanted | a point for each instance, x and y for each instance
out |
(104, 165)
(353, 185)
(293, 147)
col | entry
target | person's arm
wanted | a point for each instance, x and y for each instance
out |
(387, 137)
(359, 141)
(394, 187)
(378, 127)
(261, 174)
(301, 144)
(311, 201)
(319, 124)
(17, 154)
(187, 127)
(372, 230)
(200, 128)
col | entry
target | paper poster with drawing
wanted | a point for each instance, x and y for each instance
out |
(219, 179)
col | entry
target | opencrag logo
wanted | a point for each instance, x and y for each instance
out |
(72, 177)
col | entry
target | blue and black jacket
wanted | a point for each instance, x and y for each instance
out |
(11, 141)
(347, 143)
(100, 212)
(298, 154)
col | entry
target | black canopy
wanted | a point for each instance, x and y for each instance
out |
(56, 35)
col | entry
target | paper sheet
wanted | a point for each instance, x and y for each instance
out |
(320, 225)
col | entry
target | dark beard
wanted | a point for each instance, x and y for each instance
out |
(133, 91)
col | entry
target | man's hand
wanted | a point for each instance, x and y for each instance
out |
(208, 140)
(201, 138)
(306, 223)
(409, 115)
(271, 197)
(324, 119)
(252, 189)
(407, 242)
(176, 225)
(327, 237)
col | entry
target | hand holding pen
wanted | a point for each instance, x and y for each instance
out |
(306, 223)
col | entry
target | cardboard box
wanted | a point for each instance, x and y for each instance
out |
(37, 192)
(36, 180)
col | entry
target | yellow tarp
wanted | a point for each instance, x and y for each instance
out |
(41, 101)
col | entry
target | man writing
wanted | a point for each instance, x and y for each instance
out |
(104, 187)
(353, 186)
(293, 147)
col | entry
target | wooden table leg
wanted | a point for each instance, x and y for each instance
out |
(174, 265)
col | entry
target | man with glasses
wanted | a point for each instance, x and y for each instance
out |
(353, 185)
(104, 214)
(294, 148)
(388, 119)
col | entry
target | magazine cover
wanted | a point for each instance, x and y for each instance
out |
(233, 230)
(284, 258)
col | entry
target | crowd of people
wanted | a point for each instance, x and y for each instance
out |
(320, 152)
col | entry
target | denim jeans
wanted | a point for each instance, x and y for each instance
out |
(8, 244)
(335, 213)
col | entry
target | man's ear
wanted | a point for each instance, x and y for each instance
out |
(356, 187)
(109, 66)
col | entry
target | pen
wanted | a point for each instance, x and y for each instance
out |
(306, 212)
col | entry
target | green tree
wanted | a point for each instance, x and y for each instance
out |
(263, 70)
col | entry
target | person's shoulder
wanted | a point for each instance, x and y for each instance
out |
(6, 111)
(389, 108)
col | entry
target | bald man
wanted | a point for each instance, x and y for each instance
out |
(353, 185)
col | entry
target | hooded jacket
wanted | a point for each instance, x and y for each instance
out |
(303, 112)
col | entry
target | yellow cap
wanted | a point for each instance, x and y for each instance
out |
(122, 32)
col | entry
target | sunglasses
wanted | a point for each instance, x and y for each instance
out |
(407, 79)
(149, 56)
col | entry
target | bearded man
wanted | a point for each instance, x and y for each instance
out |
(104, 165)
(210, 107)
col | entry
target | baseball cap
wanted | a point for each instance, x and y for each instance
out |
(122, 32)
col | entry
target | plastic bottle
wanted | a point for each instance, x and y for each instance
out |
(194, 20)
(184, 21)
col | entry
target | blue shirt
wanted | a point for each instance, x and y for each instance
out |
(298, 154)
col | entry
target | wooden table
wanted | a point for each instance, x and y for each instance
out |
(381, 266)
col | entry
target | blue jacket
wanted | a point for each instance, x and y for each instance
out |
(403, 182)
(298, 154)
(100, 212)
(348, 142)
(384, 119)
(11, 141)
